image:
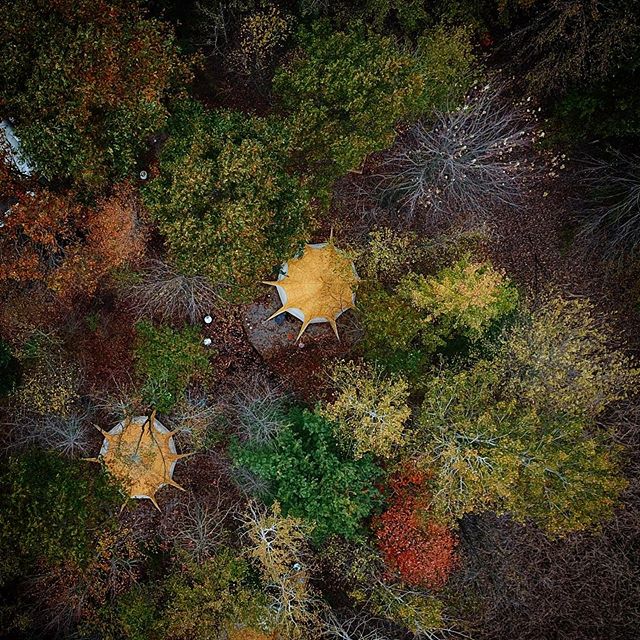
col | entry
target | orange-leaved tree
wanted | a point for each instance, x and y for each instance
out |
(418, 549)
(56, 250)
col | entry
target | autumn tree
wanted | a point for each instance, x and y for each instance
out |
(278, 545)
(86, 84)
(461, 305)
(224, 200)
(463, 299)
(369, 410)
(416, 547)
(559, 358)
(57, 249)
(518, 434)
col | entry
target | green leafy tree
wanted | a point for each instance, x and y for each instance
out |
(199, 601)
(52, 508)
(86, 83)
(411, 15)
(205, 600)
(224, 200)
(312, 478)
(457, 308)
(369, 410)
(346, 90)
(392, 330)
(136, 614)
(167, 360)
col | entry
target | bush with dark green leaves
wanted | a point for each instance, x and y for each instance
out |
(393, 334)
(312, 478)
(224, 201)
(609, 109)
(166, 361)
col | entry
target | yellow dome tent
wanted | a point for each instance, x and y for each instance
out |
(317, 286)
(140, 452)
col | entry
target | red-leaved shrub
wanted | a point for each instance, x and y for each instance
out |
(420, 550)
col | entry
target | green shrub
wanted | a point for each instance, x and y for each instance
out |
(205, 600)
(609, 109)
(345, 91)
(136, 613)
(198, 601)
(224, 200)
(392, 330)
(52, 507)
(167, 360)
(312, 478)
(85, 83)
(411, 15)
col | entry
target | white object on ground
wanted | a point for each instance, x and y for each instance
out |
(14, 149)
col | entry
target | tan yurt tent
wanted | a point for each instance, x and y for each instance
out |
(140, 452)
(317, 286)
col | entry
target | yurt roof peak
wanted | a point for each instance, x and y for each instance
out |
(317, 286)
(140, 452)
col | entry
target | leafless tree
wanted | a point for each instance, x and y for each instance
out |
(350, 626)
(611, 208)
(121, 401)
(201, 528)
(216, 19)
(565, 41)
(164, 292)
(194, 417)
(529, 586)
(469, 161)
(69, 434)
(257, 410)
(249, 483)
(62, 594)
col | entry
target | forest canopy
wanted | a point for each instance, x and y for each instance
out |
(319, 320)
